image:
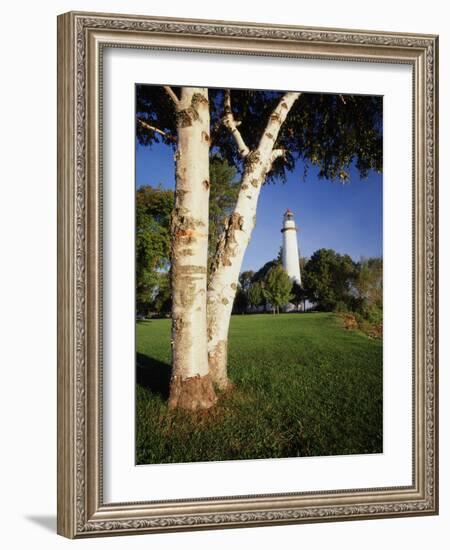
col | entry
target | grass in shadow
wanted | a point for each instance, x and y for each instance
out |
(153, 374)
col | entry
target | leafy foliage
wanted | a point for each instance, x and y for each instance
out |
(277, 287)
(162, 302)
(153, 210)
(354, 289)
(245, 279)
(240, 303)
(368, 290)
(368, 282)
(330, 131)
(222, 198)
(328, 278)
(155, 108)
(299, 295)
(255, 294)
(260, 275)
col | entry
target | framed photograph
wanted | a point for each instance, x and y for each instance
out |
(247, 274)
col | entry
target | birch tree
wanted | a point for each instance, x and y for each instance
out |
(191, 384)
(187, 112)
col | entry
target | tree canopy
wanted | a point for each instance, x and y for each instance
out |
(245, 279)
(368, 289)
(262, 272)
(328, 278)
(329, 131)
(240, 303)
(277, 287)
(153, 210)
(299, 295)
(255, 295)
(223, 192)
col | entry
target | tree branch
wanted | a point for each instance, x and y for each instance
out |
(157, 130)
(231, 124)
(277, 153)
(276, 120)
(172, 95)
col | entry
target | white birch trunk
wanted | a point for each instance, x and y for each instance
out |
(191, 386)
(236, 236)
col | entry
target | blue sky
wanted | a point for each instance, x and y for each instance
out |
(344, 217)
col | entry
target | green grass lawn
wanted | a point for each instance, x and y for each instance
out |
(304, 386)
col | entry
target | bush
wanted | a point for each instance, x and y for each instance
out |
(371, 323)
(350, 321)
(341, 307)
(372, 330)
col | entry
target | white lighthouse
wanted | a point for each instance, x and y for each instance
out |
(290, 247)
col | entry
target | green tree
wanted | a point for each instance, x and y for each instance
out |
(153, 209)
(255, 295)
(224, 188)
(368, 289)
(245, 279)
(299, 295)
(328, 278)
(260, 275)
(302, 261)
(240, 303)
(277, 287)
(162, 302)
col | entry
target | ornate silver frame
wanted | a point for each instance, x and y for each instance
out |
(81, 511)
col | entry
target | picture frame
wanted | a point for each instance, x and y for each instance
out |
(82, 39)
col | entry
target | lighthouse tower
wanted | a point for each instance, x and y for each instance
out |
(290, 247)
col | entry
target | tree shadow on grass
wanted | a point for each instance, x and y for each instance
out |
(153, 374)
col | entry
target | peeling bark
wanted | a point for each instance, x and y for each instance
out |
(218, 357)
(236, 236)
(191, 386)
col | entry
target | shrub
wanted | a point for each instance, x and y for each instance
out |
(350, 321)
